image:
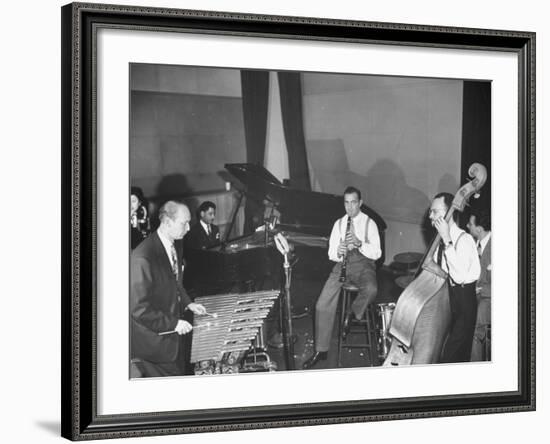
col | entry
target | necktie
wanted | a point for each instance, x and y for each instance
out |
(348, 233)
(174, 260)
(209, 230)
(479, 251)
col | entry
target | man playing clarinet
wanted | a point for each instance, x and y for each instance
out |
(355, 246)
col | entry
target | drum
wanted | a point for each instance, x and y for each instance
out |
(404, 281)
(385, 313)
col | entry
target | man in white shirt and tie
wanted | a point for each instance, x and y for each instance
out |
(460, 260)
(479, 227)
(158, 300)
(360, 246)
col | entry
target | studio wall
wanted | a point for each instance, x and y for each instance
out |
(396, 139)
(186, 123)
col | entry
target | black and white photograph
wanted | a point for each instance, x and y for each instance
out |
(274, 221)
(302, 221)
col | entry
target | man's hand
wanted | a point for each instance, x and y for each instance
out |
(198, 309)
(442, 228)
(352, 239)
(183, 327)
(342, 248)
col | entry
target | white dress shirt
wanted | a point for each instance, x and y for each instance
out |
(368, 235)
(460, 260)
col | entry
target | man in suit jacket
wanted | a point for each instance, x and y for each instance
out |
(204, 234)
(479, 226)
(158, 300)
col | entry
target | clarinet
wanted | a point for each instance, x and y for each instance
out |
(345, 260)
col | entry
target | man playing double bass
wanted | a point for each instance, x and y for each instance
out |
(457, 255)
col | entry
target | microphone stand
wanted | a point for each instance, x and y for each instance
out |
(284, 249)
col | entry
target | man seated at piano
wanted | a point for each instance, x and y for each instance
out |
(204, 234)
(354, 246)
(158, 302)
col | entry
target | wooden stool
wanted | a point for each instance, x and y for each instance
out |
(365, 326)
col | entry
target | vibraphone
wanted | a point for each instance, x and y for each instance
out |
(223, 337)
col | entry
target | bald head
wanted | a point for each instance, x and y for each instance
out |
(174, 220)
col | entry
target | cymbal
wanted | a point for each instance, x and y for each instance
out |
(408, 257)
(404, 281)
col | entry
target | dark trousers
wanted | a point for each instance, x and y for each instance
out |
(480, 332)
(463, 302)
(141, 368)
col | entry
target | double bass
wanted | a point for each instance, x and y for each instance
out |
(421, 319)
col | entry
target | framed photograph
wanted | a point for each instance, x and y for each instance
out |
(310, 204)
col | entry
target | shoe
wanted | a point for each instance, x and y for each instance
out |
(314, 359)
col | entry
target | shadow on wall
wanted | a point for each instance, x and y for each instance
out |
(384, 184)
(330, 168)
(171, 187)
(448, 184)
(389, 193)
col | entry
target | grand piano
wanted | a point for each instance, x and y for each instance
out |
(251, 262)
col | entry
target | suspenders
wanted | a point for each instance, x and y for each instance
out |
(451, 281)
(366, 228)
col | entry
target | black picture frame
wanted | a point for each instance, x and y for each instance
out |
(80, 22)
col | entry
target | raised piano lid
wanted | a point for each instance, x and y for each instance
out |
(303, 211)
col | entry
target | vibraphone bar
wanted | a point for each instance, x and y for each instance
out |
(222, 338)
